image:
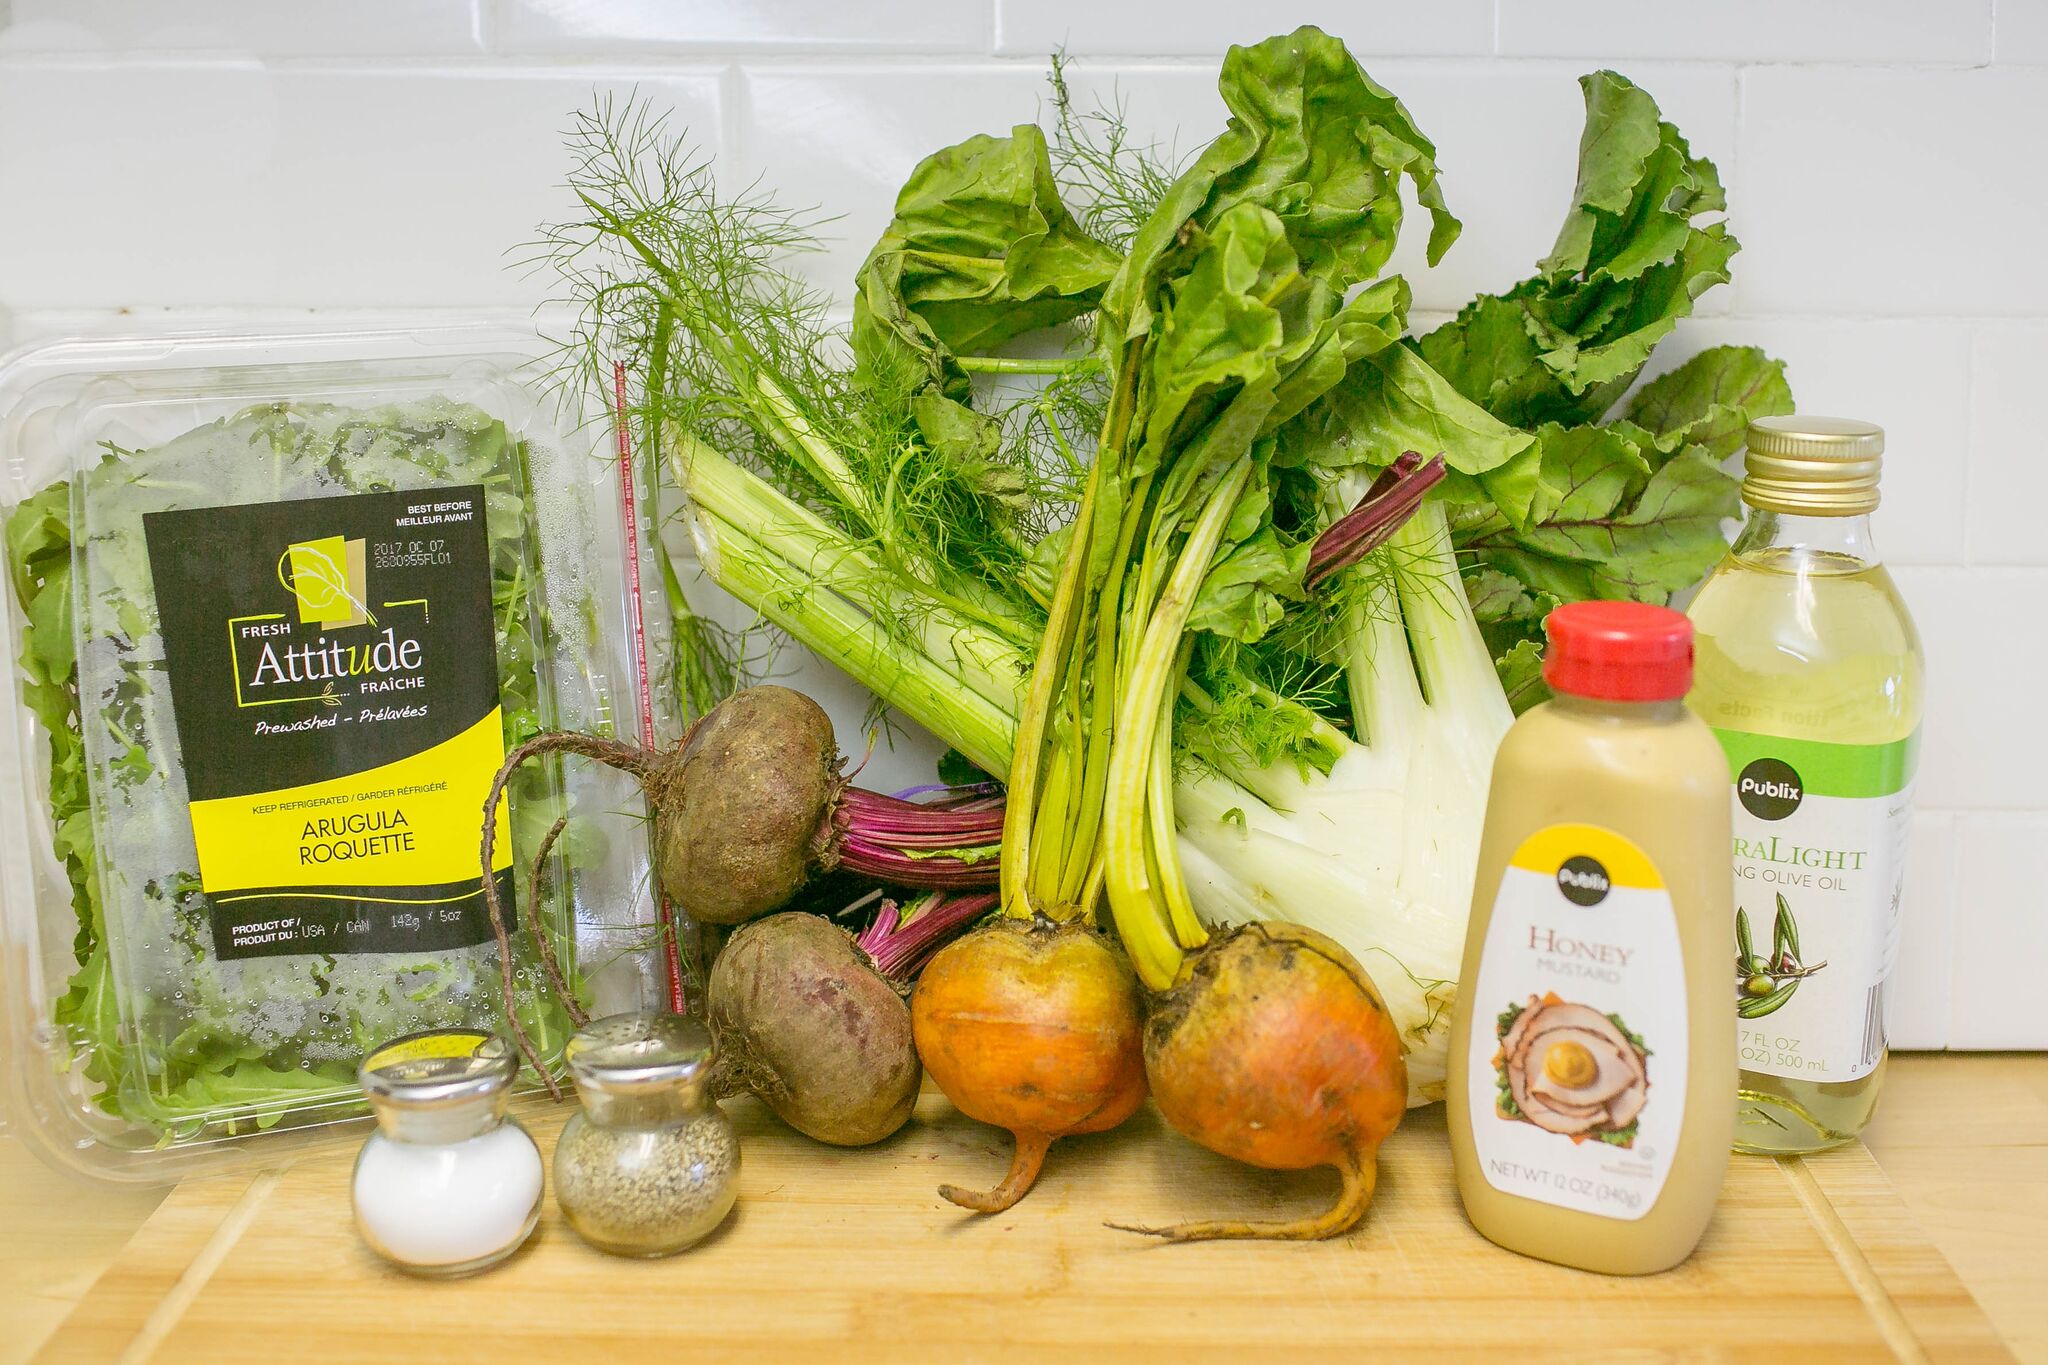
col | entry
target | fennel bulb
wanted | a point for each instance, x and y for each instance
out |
(1378, 853)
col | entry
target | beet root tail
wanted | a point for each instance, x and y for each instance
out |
(1360, 1174)
(1025, 1163)
(627, 758)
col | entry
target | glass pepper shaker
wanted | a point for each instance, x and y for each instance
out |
(650, 1164)
(447, 1184)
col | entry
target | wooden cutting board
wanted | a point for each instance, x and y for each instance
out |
(850, 1255)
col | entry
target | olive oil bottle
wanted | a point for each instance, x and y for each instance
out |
(1809, 671)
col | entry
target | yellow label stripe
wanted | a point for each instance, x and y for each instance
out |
(1546, 850)
(422, 1046)
(349, 896)
(413, 823)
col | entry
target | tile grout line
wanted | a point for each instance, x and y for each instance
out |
(827, 54)
(1855, 1266)
(164, 1318)
(1972, 346)
(1947, 975)
(1734, 190)
(1956, 911)
(733, 102)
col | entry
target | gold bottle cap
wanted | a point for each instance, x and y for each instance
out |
(1813, 466)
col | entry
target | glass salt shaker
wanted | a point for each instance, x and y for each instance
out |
(447, 1184)
(650, 1164)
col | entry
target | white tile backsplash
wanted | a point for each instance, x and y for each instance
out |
(1377, 28)
(1983, 744)
(2021, 31)
(324, 187)
(224, 162)
(1891, 190)
(2008, 462)
(1752, 30)
(585, 26)
(1912, 378)
(267, 28)
(1919, 998)
(2001, 930)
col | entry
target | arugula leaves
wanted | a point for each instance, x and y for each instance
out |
(178, 1041)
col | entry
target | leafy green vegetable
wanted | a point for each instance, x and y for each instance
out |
(1631, 509)
(1620, 526)
(1561, 346)
(1231, 315)
(1709, 401)
(1631, 257)
(1395, 402)
(1320, 755)
(1313, 140)
(981, 250)
(176, 1038)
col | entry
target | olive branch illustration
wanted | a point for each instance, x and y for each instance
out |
(1764, 985)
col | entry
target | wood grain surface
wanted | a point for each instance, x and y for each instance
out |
(850, 1255)
(58, 1234)
(1964, 1140)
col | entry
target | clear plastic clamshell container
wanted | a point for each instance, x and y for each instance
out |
(277, 606)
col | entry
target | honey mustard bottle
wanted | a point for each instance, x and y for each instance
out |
(1593, 1041)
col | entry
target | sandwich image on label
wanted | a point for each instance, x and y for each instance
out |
(1582, 946)
(1571, 1070)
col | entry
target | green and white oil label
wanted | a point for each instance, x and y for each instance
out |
(1584, 1067)
(1819, 857)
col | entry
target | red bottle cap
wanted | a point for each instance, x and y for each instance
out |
(1618, 651)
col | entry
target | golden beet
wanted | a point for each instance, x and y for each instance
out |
(1276, 1049)
(1035, 1028)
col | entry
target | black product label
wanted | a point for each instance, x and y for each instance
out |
(334, 674)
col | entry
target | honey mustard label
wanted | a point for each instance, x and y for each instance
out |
(1583, 1073)
(334, 676)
